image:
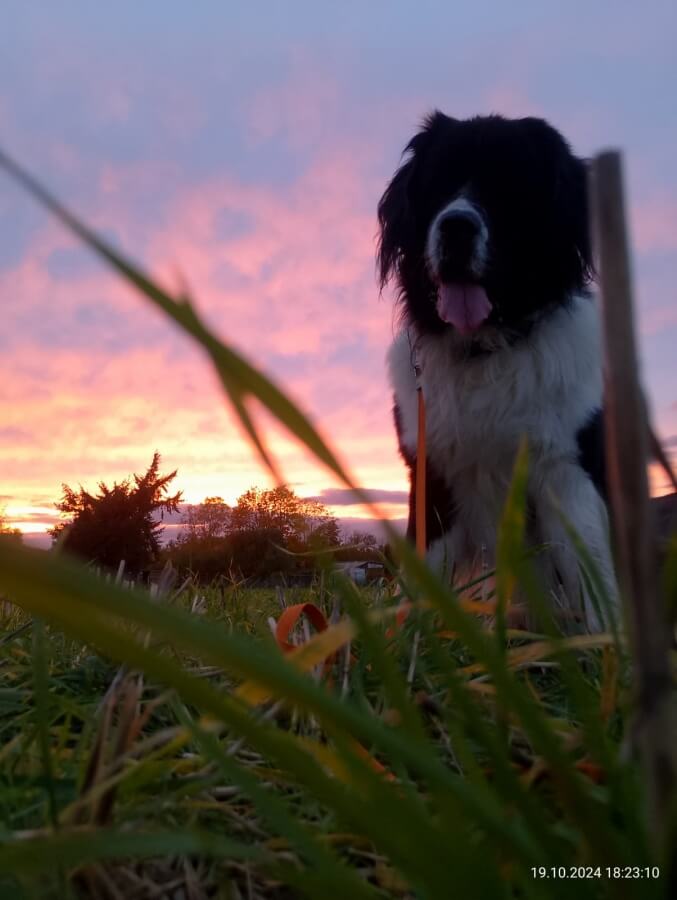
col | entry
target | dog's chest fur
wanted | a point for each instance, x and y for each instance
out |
(546, 386)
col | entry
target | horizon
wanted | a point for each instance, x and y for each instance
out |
(172, 523)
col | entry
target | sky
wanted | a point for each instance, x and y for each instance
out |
(241, 148)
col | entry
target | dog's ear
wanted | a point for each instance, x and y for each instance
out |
(569, 179)
(396, 213)
(572, 199)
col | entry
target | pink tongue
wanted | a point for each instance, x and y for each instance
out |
(465, 306)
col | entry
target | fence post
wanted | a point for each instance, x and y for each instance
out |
(654, 733)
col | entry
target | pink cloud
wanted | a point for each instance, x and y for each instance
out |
(654, 225)
(299, 108)
(304, 270)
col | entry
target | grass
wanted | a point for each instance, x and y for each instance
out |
(128, 758)
(53, 727)
(165, 747)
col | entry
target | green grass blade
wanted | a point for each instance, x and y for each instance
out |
(70, 849)
(382, 659)
(41, 696)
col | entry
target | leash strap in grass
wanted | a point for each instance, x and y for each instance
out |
(420, 503)
(290, 617)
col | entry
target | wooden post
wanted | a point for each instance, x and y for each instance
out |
(627, 439)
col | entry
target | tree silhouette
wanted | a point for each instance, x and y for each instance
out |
(118, 523)
(296, 518)
(362, 540)
(270, 519)
(360, 545)
(257, 553)
(200, 547)
(205, 521)
(250, 539)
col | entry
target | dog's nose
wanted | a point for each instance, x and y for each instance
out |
(456, 246)
(458, 230)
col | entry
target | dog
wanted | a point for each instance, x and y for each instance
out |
(484, 231)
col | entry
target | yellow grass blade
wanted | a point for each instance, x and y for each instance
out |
(522, 656)
(308, 655)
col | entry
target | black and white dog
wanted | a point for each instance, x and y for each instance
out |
(484, 229)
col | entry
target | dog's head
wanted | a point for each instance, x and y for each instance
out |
(485, 227)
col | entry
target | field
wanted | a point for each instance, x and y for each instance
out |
(114, 785)
(110, 761)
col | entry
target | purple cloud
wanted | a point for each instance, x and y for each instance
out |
(345, 497)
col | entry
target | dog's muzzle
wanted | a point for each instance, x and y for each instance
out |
(456, 248)
(456, 254)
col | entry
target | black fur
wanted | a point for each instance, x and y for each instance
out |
(591, 451)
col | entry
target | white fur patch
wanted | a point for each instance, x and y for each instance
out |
(481, 245)
(478, 408)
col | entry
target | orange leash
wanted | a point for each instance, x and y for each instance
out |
(420, 506)
(290, 617)
(420, 477)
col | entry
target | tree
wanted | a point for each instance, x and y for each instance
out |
(200, 547)
(324, 534)
(205, 521)
(297, 519)
(265, 523)
(362, 540)
(7, 533)
(252, 538)
(360, 545)
(257, 553)
(117, 523)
